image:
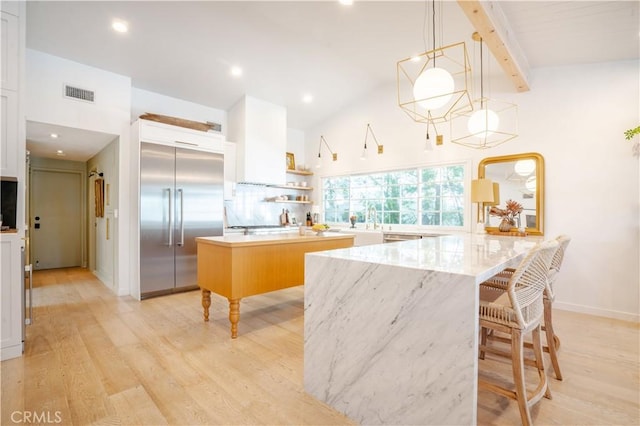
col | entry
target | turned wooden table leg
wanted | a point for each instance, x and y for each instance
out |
(234, 316)
(206, 303)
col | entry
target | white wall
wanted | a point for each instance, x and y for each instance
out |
(101, 243)
(575, 117)
(46, 76)
(296, 145)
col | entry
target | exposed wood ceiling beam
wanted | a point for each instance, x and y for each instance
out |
(490, 22)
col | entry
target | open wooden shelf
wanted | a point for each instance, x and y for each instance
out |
(303, 188)
(300, 172)
(291, 201)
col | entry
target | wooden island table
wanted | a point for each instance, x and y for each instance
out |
(238, 266)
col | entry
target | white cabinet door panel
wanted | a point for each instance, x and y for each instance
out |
(9, 133)
(229, 170)
(9, 51)
(11, 297)
(166, 134)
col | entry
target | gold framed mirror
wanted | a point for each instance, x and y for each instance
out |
(520, 178)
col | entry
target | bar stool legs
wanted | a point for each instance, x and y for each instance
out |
(524, 399)
(553, 343)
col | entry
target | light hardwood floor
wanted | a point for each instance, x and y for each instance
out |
(99, 359)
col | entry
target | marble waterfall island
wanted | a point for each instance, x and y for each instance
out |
(391, 330)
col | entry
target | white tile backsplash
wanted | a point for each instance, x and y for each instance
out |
(250, 208)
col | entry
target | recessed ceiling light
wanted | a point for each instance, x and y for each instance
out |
(60, 153)
(54, 135)
(120, 26)
(236, 71)
(346, 2)
(416, 58)
(307, 99)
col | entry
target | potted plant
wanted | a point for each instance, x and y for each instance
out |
(630, 134)
(508, 215)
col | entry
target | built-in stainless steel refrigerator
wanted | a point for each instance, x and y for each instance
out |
(181, 198)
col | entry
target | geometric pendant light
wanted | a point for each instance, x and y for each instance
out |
(434, 84)
(491, 123)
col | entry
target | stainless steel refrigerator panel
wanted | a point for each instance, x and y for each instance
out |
(157, 194)
(198, 207)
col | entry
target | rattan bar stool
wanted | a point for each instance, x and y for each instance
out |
(500, 282)
(517, 311)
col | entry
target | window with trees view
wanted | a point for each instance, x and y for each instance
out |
(432, 196)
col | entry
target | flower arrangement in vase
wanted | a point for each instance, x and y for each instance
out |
(509, 215)
(353, 219)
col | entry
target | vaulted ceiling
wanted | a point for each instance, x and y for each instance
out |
(290, 48)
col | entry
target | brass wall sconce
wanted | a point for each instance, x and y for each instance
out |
(364, 150)
(333, 154)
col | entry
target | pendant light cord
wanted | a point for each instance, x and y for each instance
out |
(433, 29)
(424, 25)
(481, 77)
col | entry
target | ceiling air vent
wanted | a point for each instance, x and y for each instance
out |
(79, 94)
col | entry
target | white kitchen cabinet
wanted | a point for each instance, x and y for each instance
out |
(12, 164)
(166, 134)
(12, 7)
(365, 237)
(9, 51)
(9, 133)
(260, 131)
(9, 65)
(229, 170)
(11, 274)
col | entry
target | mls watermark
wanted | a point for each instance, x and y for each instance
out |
(39, 417)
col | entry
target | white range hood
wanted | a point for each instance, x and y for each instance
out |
(259, 129)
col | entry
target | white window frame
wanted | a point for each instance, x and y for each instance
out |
(468, 213)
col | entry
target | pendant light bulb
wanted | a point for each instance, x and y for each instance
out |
(433, 88)
(531, 184)
(483, 123)
(428, 146)
(524, 167)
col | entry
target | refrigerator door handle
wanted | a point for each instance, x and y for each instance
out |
(170, 223)
(181, 243)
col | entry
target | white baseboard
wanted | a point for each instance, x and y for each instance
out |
(123, 291)
(119, 291)
(104, 280)
(607, 313)
(14, 351)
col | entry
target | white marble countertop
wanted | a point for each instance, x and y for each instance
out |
(391, 330)
(479, 255)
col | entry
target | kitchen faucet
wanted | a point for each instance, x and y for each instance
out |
(373, 211)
